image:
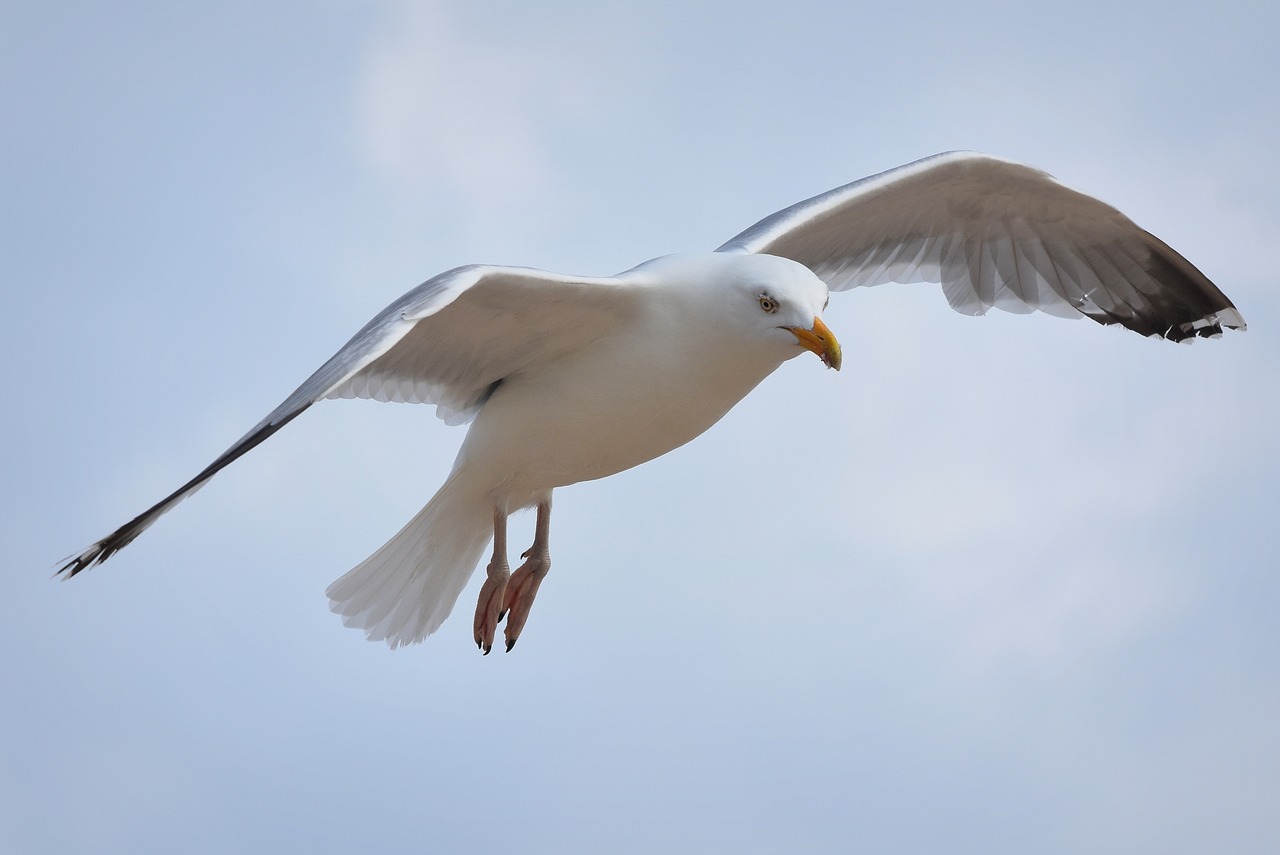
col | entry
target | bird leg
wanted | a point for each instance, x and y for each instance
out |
(490, 608)
(524, 582)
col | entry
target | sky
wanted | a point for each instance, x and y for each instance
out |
(1003, 584)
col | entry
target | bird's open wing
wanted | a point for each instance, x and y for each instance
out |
(995, 233)
(448, 342)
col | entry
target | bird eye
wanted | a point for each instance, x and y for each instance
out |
(769, 304)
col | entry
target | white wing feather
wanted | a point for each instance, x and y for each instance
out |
(447, 342)
(995, 233)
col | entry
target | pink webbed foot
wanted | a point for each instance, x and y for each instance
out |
(489, 607)
(507, 594)
(521, 591)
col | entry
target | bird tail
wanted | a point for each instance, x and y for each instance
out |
(405, 590)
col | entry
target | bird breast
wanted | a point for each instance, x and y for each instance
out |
(627, 398)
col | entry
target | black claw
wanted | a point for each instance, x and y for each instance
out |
(511, 642)
(487, 648)
(501, 615)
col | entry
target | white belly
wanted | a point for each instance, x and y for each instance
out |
(614, 405)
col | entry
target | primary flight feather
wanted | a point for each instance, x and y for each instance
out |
(568, 379)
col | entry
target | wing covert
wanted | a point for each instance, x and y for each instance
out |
(449, 342)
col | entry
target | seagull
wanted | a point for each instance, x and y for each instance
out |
(568, 378)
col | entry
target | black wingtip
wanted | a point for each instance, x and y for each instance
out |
(94, 555)
(127, 533)
(69, 569)
(109, 545)
(1211, 326)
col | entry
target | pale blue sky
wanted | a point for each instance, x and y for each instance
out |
(1002, 585)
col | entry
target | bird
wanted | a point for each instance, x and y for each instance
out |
(565, 379)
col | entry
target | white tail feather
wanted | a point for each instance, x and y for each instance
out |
(405, 590)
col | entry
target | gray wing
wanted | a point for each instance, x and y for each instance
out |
(996, 233)
(448, 342)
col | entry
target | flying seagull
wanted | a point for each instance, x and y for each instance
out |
(568, 378)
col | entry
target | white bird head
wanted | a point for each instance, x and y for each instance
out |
(785, 301)
(795, 299)
(761, 299)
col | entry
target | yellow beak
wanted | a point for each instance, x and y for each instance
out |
(821, 341)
